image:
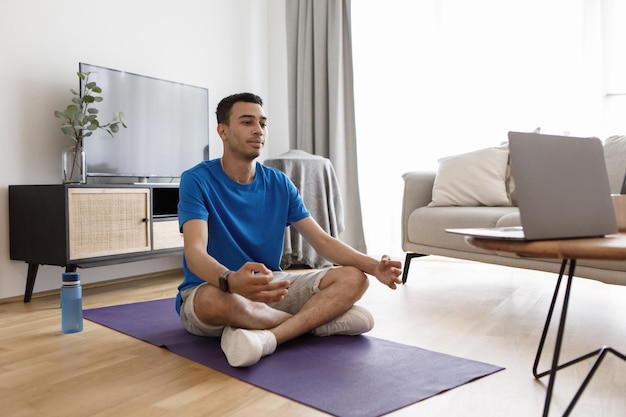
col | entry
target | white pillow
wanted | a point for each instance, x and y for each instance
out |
(472, 179)
(510, 181)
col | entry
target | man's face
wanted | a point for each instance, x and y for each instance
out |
(246, 132)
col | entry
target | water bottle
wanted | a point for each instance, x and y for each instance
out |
(71, 303)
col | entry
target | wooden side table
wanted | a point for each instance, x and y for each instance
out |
(612, 247)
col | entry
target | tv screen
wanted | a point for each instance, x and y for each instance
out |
(168, 126)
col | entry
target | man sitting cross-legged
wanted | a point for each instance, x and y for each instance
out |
(233, 212)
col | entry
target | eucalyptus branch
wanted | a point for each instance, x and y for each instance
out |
(79, 119)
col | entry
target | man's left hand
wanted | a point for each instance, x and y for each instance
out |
(388, 272)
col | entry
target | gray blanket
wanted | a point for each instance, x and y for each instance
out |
(315, 177)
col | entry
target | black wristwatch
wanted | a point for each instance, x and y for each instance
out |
(224, 281)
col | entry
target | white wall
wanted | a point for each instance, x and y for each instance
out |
(226, 46)
(444, 77)
(440, 77)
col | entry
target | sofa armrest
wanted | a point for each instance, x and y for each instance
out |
(418, 192)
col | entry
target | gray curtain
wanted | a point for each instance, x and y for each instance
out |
(321, 96)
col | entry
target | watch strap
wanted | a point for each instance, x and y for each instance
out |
(223, 281)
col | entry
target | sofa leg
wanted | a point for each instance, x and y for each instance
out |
(407, 263)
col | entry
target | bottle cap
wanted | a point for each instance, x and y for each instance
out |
(71, 277)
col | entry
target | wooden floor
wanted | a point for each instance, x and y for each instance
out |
(481, 312)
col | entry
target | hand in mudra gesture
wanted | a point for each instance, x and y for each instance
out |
(255, 282)
(388, 272)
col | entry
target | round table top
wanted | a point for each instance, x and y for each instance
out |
(611, 247)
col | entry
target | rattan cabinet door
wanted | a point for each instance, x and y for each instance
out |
(107, 221)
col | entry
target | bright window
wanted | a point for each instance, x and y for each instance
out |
(439, 77)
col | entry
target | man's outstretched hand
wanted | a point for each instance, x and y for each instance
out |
(388, 272)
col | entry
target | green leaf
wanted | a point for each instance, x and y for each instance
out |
(67, 130)
(80, 120)
(70, 113)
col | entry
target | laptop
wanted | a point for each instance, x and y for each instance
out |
(562, 189)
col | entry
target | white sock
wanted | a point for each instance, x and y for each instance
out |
(245, 347)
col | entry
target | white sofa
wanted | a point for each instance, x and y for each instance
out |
(428, 210)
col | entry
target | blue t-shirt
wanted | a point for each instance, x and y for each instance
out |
(246, 221)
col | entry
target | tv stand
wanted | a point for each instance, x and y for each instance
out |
(82, 226)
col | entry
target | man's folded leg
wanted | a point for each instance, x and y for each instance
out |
(245, 347)
(353, 322)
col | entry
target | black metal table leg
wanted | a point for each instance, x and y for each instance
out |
(559, 338)
(599, 353)
(546, 326)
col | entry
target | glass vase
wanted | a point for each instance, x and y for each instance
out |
(74, 165)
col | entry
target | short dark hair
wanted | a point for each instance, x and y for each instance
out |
(224, 107)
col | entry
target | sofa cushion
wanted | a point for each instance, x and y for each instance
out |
(510, 219)
(472, 179)
(426, 225)
(615, 157)
(510, 181)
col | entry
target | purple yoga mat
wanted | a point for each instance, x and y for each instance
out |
(340, 375)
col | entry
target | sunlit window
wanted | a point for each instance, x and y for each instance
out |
(435, 78)
(614, 41)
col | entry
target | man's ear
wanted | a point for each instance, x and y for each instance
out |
(222, 130)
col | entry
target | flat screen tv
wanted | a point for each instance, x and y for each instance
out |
(168, 126)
